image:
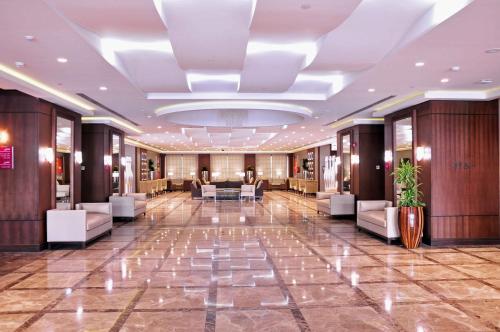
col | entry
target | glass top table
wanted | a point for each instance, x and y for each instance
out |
(228, 193)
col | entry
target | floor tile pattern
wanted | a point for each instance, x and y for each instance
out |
(270, 265)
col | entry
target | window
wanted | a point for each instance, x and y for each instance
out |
(225, 166)
(273, 166)
(182, 166)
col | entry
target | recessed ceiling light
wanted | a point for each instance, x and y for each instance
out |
(493, 50)
(445, 80)
(149, 116)
(419, 64)
(62, 60)
(159, 127)
(486, 81)
(316, 117)
(284, 127)
(19, 64)
(322, 130)
(103, 88)
(455, 68)
(371, 90)
(29, 37)
(302, 127)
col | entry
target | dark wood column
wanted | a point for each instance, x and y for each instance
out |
(96, 177)
(250, 162)
(367, 177)
(460, 173)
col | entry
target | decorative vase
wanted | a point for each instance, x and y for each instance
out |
(151, 175)
(411, 225)
(249, 176)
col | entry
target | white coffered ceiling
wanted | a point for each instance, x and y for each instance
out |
(226, 74)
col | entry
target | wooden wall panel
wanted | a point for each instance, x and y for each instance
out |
(27, 190)
(461, 181)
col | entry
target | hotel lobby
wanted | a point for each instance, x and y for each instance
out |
(250, 165)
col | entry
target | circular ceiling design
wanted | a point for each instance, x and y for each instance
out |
(234, 114)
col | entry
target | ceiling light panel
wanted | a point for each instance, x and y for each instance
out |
(272, 66)
(196, 29)
(208, 81)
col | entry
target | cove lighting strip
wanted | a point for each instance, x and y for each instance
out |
(133, 142)
(100, 119)
(42, 86)
(356, 121)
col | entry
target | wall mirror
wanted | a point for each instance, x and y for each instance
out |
(403, 146)
(346, 163)
(115, 166)
(64, 163)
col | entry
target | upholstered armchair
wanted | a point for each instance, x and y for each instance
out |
(335, 204)
(247, 190)
(209, 190)
(87, 222)
(195, 190)
(259, 190)
(378, 217)
(129, 205)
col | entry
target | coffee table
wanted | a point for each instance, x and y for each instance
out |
(228, 193)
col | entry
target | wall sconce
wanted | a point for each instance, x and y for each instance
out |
(108, 160)
(46, 155)
(78, 157)
(354, 159)
(4, 136)
(388, 159)
(260, 173)
(388, 156)
(423, 153)
(170, 173)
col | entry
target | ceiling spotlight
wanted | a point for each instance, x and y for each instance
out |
(62, 60)
(419, 64)
(371, 90)
(159, 127)
(316, 117)
(284, 127)
(149, 116)
(455, 68)
(19, 64)
(486, 81)
(103, 88)
(445, 80)
(493, 50)
(302, 127)
(29, 37)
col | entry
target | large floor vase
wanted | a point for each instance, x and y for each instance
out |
(411, 225)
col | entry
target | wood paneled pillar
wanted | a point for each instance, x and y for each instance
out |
(204, 161)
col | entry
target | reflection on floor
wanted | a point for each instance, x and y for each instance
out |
(266, 266)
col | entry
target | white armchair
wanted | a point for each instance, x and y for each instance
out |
(378, 217)
(129, 205)
(335, 204)
(87, 222)
(209, 190)
(247, 190)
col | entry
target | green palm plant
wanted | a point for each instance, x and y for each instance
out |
(406, 176)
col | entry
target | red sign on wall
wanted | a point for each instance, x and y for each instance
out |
(6, 157)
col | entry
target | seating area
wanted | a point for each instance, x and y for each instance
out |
(250, 165)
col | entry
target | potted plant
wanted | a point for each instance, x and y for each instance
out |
(204, 174)
(151, 167)
(250, 170)
(411, 209)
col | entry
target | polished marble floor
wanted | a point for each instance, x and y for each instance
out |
(274, 265)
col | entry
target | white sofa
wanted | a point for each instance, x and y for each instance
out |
(87, 222)
(209, 190)
(247, 190)
(129, 205)
(335, 204)
(378, 217)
